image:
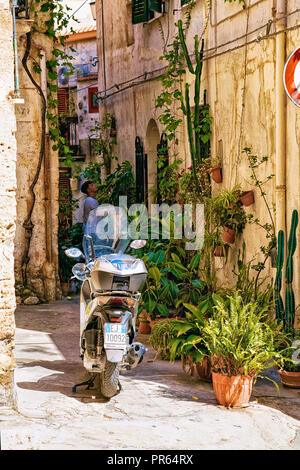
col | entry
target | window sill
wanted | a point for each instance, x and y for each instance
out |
(159, 15)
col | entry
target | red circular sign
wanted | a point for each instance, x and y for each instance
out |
(291, 77)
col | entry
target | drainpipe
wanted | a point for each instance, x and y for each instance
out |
(280, 194)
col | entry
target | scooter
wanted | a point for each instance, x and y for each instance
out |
(109, 299)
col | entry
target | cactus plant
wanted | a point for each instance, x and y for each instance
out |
(193, 119)
(286, 313)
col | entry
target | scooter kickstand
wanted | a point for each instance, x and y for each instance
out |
(89, 384)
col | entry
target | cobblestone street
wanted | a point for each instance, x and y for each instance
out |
(160, 407)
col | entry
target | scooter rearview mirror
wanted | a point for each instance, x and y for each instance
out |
(136, 244)
(74, 253)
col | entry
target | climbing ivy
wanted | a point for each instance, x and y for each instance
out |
(54, 21)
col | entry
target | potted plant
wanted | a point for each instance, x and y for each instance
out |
(144, 323)
(160, 337)
(247, 198)
(228, 212)
(290, 371)
(189, 343)
(242, 340)
(215, 170)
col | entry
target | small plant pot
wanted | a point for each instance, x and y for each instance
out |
(228, 235)
(247, 198)
(234, 391)
(65, 288)
(290, 379)
(144, 327)
(216, 174)
(220, 251)
(204, 369)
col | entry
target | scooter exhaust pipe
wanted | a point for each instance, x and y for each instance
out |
(134, 356)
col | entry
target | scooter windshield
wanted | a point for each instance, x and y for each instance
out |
(107, 226)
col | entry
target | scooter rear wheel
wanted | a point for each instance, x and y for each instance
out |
(109, 379)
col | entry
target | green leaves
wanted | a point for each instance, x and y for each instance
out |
(241, 336)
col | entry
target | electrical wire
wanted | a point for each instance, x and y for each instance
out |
(132, 82)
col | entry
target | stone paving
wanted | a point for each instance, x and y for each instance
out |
(160, 407)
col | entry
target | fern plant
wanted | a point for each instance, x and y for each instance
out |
(241, 337)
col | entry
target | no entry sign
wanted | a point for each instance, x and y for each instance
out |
(291, 77)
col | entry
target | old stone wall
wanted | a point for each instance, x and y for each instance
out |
(7, 206)
(42, 271)
(241, 90)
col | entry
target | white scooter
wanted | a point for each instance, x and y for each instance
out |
(108, 300)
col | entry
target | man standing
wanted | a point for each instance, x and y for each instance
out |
(90, 189)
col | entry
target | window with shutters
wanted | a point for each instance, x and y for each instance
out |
(63, 100)
(144, 10)
(93, 100)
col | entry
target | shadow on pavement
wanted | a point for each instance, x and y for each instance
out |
(60, 320)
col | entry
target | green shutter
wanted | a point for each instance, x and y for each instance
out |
(155, 5)
(183, 2)
(140, 11)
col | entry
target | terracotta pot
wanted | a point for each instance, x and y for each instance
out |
(204, 369)
(228, 235)
(216, 174)
(247, 198)
(219, 251)
(232, 391)
(290, 379)
(65, 288)
(144, 327)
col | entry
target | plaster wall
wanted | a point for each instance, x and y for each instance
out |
(241, 87)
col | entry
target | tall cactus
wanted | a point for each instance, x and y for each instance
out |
(279, 307)
(287, 313)
(193, 121)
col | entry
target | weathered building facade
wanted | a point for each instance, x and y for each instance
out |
(246, 46)
(36, 256)
(7, 206)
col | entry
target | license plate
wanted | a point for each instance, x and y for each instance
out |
(115, 336)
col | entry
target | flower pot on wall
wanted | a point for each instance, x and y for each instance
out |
(290, 379)
(228, 235)
(247, 198)
(232, 391)
(220, 251)
(216, 174)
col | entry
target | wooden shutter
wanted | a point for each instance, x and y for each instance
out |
(155, 5)
(141, 12)
(139, 171)
(63, 100)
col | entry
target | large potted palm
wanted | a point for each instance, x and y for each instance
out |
(242, 341)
